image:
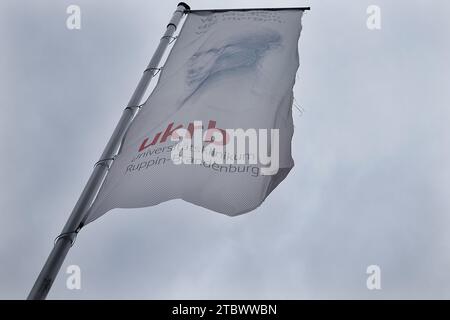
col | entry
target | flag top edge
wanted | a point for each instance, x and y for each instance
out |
(249, 9)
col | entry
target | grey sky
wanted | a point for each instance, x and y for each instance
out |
(371, 150)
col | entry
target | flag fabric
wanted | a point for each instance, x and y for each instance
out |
(227, 70)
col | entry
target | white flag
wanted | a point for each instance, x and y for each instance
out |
(228, 70)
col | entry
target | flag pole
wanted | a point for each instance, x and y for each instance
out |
(73, 225)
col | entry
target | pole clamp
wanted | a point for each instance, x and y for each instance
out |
(134, 107)
(172, 25)
(104, 162)
(172, 39)
(72, 235)
(153, 69)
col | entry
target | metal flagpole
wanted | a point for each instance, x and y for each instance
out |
(73, 225)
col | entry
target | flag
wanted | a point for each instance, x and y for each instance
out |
(216, 130)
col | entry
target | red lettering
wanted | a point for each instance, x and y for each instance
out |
(169, 131)
(143, 146)
(209, 132)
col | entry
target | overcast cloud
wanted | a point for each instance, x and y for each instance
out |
(372, 163)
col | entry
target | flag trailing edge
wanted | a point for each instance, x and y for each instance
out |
(228, 69)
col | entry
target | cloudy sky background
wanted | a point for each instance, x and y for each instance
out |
(370, 185)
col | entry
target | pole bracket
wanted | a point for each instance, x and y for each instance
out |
(134, 107)
(153, 69)
(171, 38)
(72, 235)
(104, 162)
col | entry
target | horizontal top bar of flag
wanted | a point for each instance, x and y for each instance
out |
(249, 9)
